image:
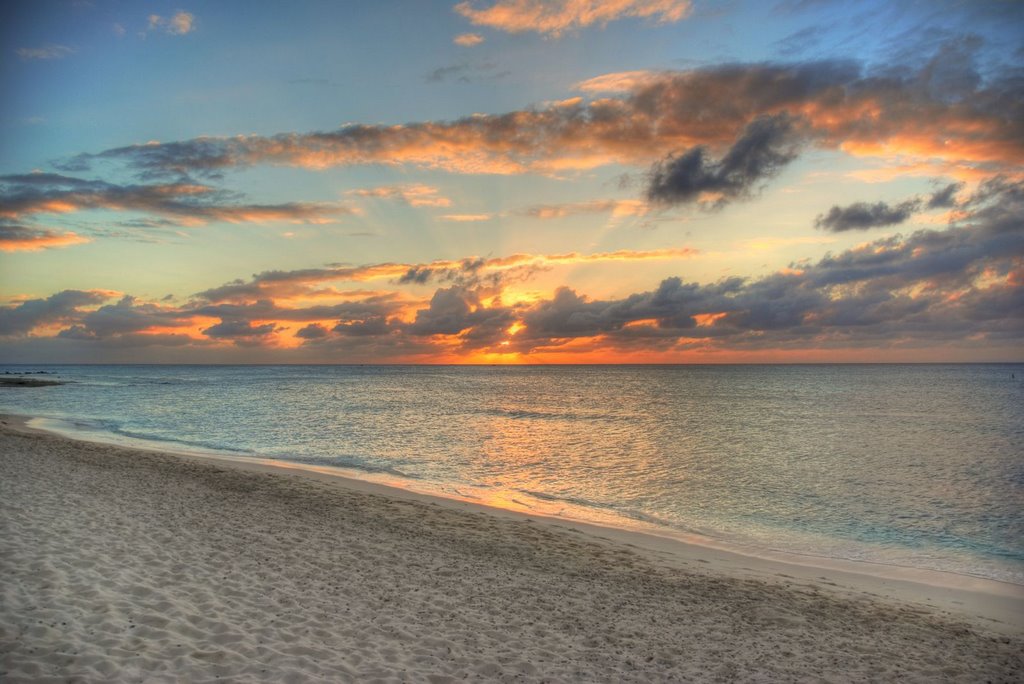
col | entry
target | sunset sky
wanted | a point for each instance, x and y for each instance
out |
(511, 181)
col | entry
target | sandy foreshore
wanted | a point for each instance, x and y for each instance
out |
(127, 565)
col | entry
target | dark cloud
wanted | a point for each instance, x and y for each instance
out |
(466, 72)
(313, 331)
(862, 216)
(766, 146)
(944, 197)
(416, 274)
(997, 197)
(127, 316)
(451, 71)
(465, 272)
(238, 330)
(129, 341)
(456, 309)
(962, 285)
(939, 109)
(299, 281)
(449, 313)
(76, 332)
(265, 309)
(39, 193)
(22, 318)
(671, 307)
(372, 326)
(17, 236)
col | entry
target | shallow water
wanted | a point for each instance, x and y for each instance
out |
(915, 465)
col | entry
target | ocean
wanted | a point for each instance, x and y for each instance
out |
(919, 466)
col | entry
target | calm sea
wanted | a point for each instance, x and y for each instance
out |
(912, 465)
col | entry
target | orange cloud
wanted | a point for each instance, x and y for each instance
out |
(618, 82)
(617, 208)
(34, 240)
(554, 17)
(415, 195)
(468, 39)
(619, 255)
(708, 319)
(831, 105)
(177, 25)
(894, 170)
(189, 203)
(932, 290)
(466, 218)
(312, 283)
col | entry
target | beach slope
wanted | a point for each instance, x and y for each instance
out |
(119, 564)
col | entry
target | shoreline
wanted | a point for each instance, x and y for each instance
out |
(987, 602)
(121, 564)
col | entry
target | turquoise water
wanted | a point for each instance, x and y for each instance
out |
(912, 465)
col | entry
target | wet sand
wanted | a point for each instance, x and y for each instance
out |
(121, 564)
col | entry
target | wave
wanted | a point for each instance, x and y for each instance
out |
(111, 427)
(534, 414)
(622, 511)
(347, 462)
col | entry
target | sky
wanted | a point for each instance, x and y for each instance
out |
(511, 181)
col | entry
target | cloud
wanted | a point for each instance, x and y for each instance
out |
(962, 285)
(862, 216)
(181, 23)
(555, 17)
(22, 318)
(128, 315)
(415, 194)
(617, 208)
(238, 330)
(26, 238)
(466, 218)
(48, 51)
(371, 326)
(442, 73)
(313, 331)
(958, 287)
(456, 309)
(297, 282)
(766, 146)
(834, 105)
(466, 72)
(176, 25)
(801, 41)
(468, 39)
(269, 309)
(945, 197)
(303, 282)
(928, 287)
(619, 82)
(47, 193)
(477, 269)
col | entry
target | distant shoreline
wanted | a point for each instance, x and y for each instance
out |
(28, 382)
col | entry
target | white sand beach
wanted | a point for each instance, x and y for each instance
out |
(129, 565)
